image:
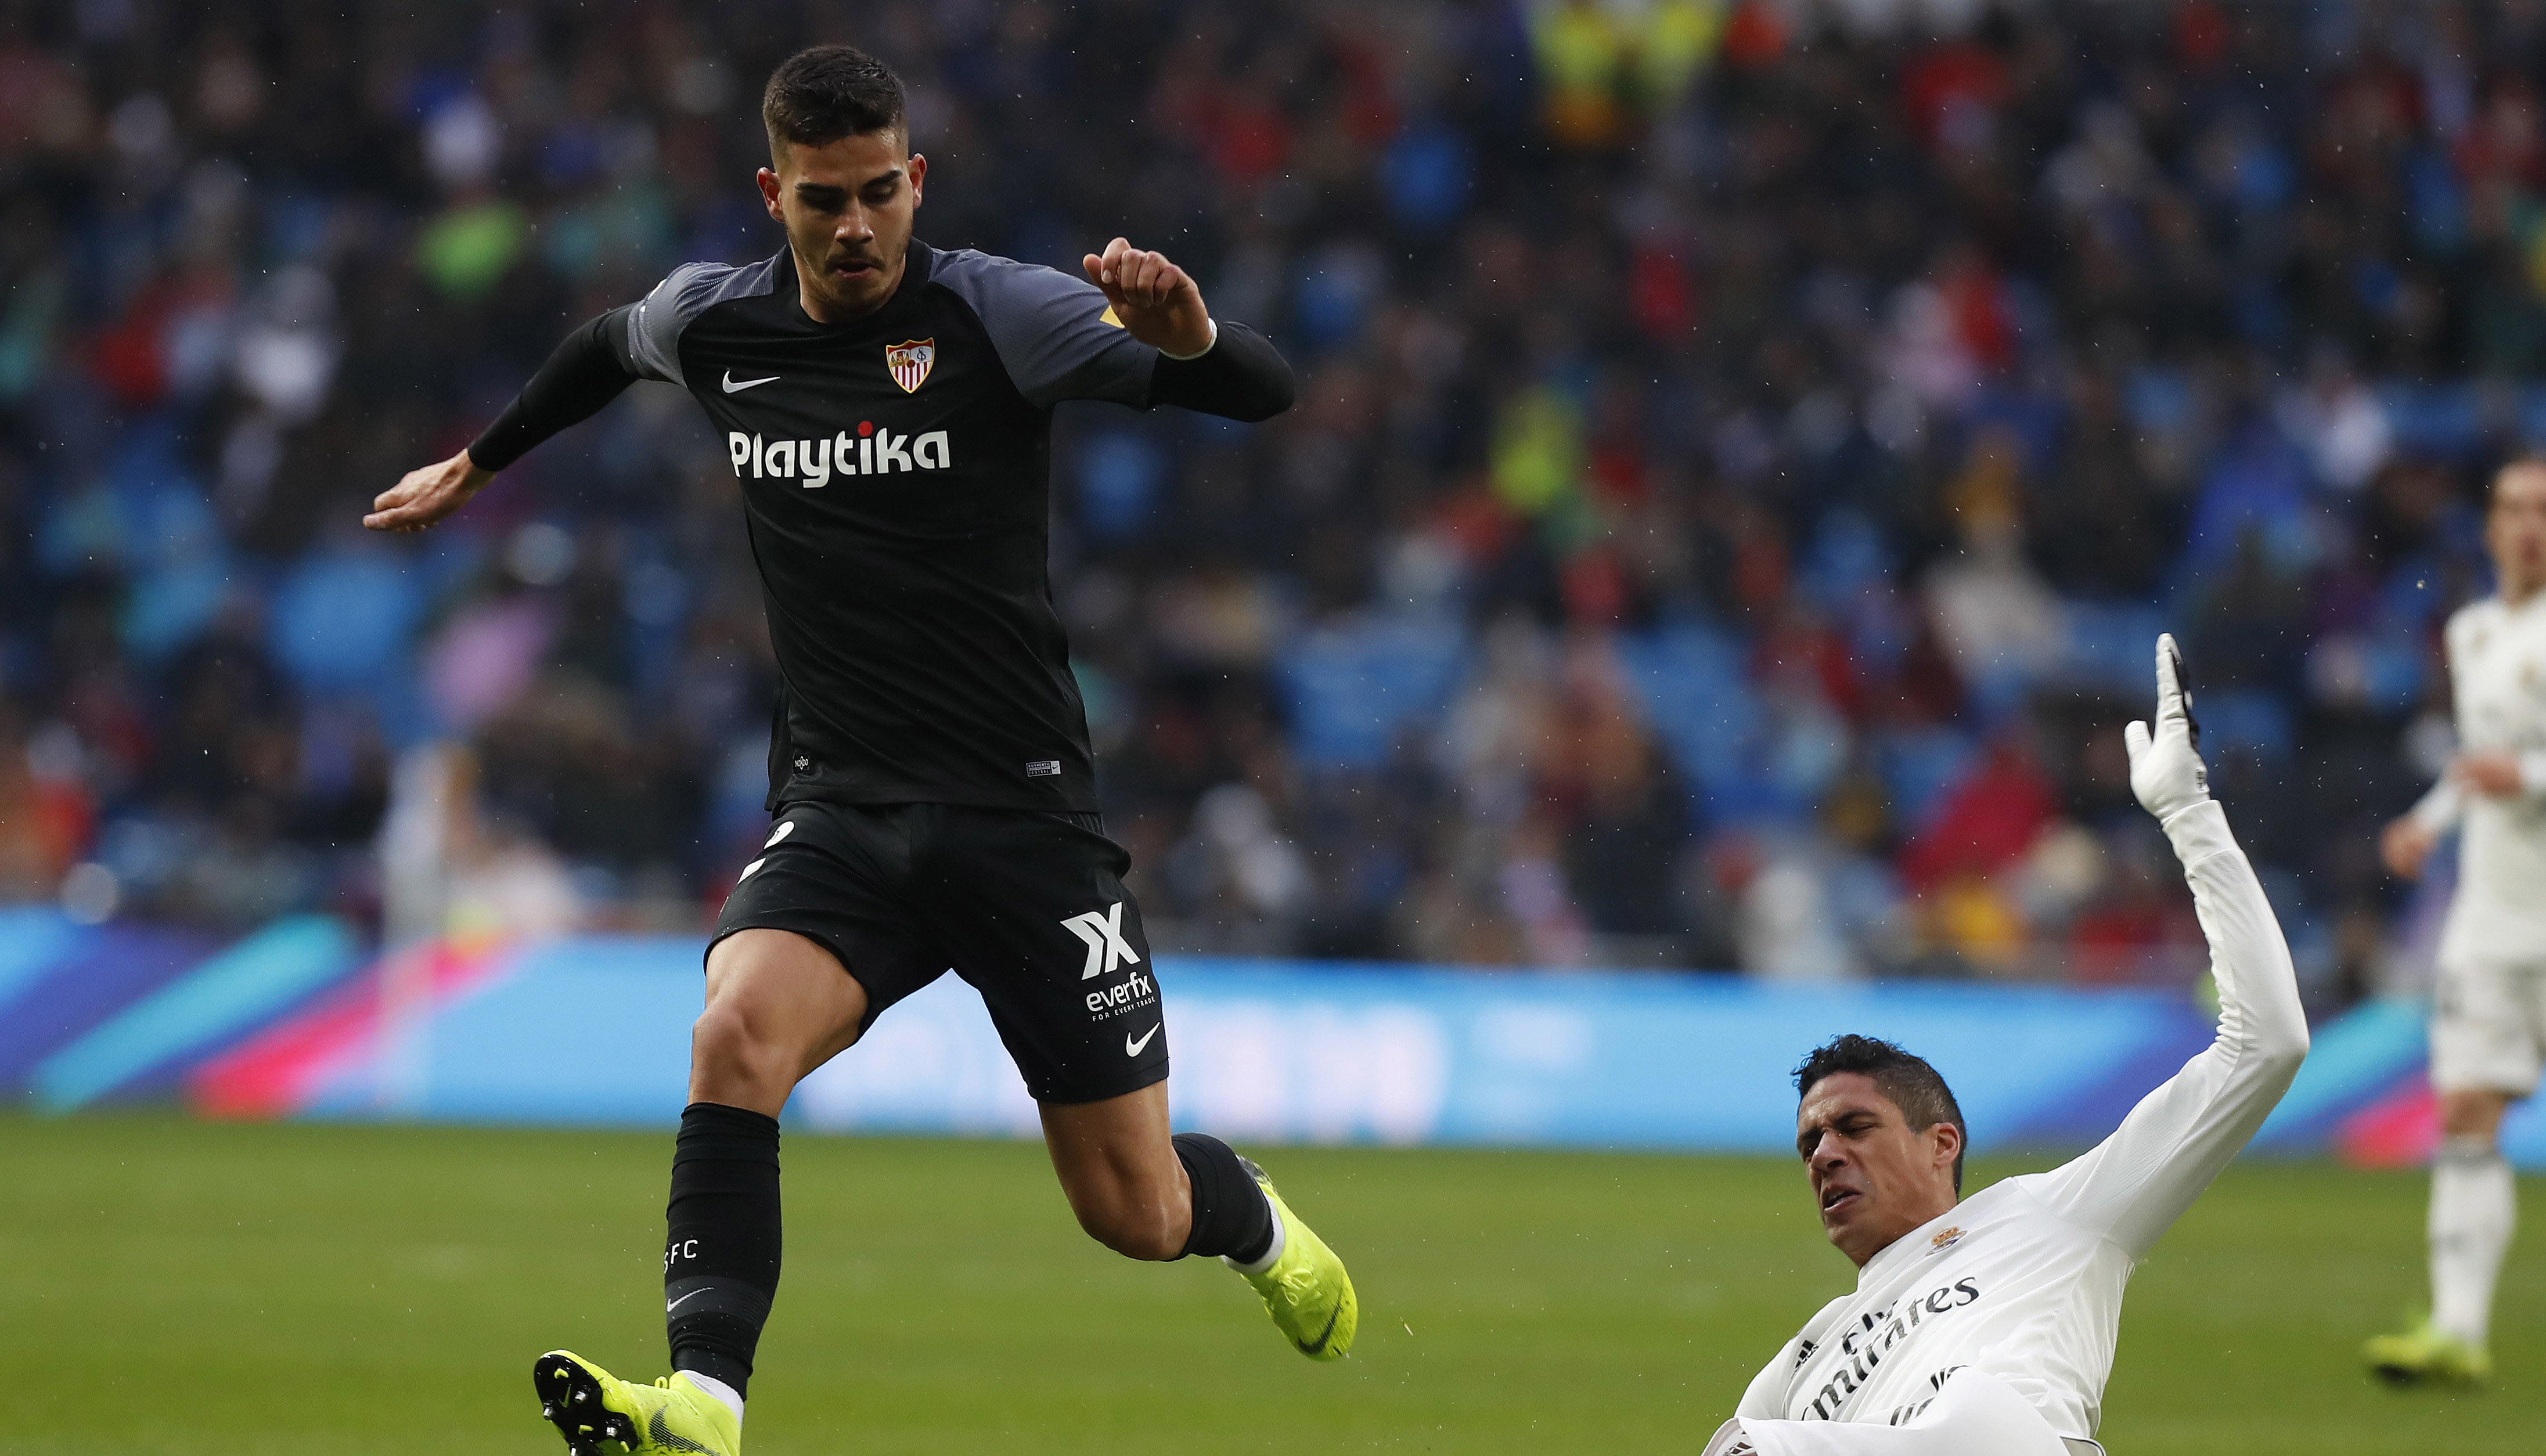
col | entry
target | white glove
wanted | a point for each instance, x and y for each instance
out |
(2165, 772)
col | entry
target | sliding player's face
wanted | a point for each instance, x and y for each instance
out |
(2514, 529)
(847, 206)
(1874, 1177)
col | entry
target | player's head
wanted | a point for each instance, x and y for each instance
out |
(2514, 526)
(841, 176)
(1882, 1141)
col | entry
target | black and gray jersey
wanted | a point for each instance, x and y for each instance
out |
(895, 478)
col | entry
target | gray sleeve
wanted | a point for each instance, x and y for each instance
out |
(654, 329)
(1052, 331)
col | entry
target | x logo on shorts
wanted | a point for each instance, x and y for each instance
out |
(1103, 932)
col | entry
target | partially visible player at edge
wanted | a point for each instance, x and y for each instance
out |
(886, 407)
(2489, 1026)
(1986, 1326)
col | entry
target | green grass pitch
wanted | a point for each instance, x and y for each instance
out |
(300, 1290)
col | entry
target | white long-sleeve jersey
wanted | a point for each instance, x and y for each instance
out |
(2024, 1279)
(2498, 672)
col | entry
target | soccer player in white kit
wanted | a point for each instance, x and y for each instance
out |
(2488, 1020)
(1986, 1327)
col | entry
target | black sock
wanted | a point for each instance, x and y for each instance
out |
(1231, 1215)
(720, 1260)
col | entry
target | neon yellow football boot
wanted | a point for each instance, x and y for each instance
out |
(2426, 1355)
(1306, 1291)
(591, 1407)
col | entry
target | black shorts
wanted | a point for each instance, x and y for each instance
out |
(1027, 906)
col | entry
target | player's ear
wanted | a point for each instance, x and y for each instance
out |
(1948, 1144)
(918, 170)
(770, 194)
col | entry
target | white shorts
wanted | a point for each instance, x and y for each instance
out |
(2489, 1026)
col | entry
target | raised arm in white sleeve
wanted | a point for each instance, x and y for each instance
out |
(1991, 1329)
(2138, 1181)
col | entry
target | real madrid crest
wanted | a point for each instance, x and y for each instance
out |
(1946, 1239)
(910, 361)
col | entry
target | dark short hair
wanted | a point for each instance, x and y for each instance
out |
(1913, 1086)
(824, 93)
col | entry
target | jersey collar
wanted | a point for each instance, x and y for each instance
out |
(1908, 1246)
(919, 260)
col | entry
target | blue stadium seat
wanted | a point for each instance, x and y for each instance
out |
(1356, 688)
(1918, 766)
(1696, 695)
(2108, 645)
(342, 621)
(2446, 420)
(2254, 720)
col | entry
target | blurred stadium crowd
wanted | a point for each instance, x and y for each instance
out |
(1745, 452)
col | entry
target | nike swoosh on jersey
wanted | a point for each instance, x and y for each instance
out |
(1133, 1048)
(732, 384)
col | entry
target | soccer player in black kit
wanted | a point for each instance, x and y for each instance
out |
(886, 407)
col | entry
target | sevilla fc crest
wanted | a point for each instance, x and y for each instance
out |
(910, 361)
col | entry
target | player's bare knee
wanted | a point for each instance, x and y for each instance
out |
(725, 1042)
(1133, 1230)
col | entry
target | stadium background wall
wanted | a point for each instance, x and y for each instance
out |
(593, 1030)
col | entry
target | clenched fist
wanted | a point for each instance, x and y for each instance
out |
(1158, 301)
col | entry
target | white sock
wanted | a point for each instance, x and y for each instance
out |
(732, 1398)
(1272, 1251)
(2473, 1209)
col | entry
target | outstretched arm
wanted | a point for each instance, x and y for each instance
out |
(2407, 843)
(2493, 772)
(2138, 1181)
(2499, 773)
(586, 372)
